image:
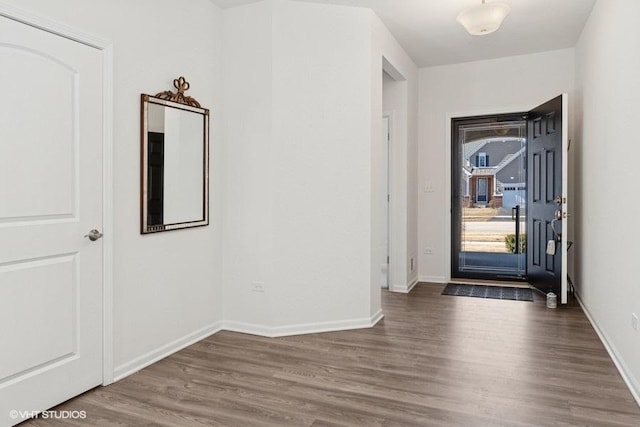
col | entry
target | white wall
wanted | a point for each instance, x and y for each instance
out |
(494, 86)
(606, 204)
(167, 286)
(297, 217)
(321, 164)
(303, 108)
(248, 134)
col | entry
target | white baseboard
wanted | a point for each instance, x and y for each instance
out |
(413, 280)
(145, 360)
(247, 328)
(628, 378)
(301, 329)
(376, 317)
(151, 357)
(404, 289)
(433, 279)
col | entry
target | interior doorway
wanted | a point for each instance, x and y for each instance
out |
(489, 197)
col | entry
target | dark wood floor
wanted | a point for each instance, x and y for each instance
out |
(433, 361)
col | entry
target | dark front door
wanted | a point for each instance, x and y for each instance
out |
(546, 198)
(482, 194)
(488, 155)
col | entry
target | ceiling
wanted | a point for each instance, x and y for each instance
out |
(428, 31)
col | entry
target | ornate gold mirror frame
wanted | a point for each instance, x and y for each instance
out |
(174, 172)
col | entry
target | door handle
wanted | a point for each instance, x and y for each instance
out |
(94, 235)
(515, 215)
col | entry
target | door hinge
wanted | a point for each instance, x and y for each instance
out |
(387, 259)
(388, 197)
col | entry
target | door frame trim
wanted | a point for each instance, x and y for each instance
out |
(449, 116)
(564, 245)
(105, 46)
(495, 274)
(389, 115)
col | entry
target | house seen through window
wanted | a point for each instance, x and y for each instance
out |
(482, 160)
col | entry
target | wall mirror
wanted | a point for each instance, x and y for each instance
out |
(174, 161)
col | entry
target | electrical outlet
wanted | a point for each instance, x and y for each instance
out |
(428, 251)
(634, 321)
(257, 286)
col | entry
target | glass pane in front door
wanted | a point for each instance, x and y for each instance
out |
(489, 198)
(481, 197)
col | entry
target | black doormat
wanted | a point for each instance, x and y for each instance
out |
(482, 291)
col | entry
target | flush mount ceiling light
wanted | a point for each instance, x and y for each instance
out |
(484, 18)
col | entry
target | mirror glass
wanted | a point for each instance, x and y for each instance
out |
(174, 165)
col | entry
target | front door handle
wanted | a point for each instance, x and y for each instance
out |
(94, 235)
(515, 213)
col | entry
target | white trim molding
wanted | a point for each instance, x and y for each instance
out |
(405, 289)
(166, 350)
(54, 27)
(433, 279)
(107, 216)
(628, 378)
(105, 46)
(301, 329)
(160, 353)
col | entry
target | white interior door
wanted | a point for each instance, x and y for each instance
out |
(386, 139)
(50, 197)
